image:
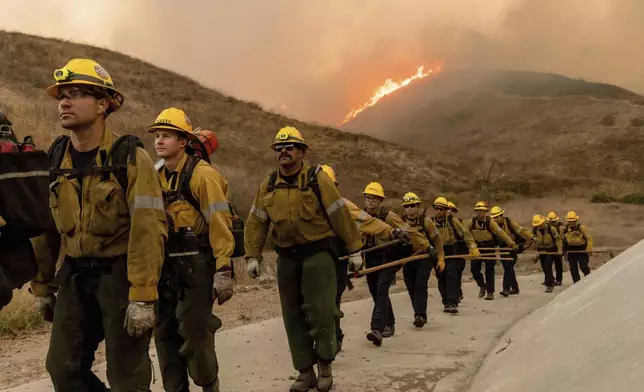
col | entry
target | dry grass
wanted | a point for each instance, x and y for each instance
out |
(20, 316)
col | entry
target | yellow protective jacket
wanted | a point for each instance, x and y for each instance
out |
(100, 219)
(210, 189)
(452, 231)
(297, 216)
(547, 238)
(486, 230)
(510, 227)
(578, 236)
(417, 239)
(367, 224)
(428, 229)
(561, 228)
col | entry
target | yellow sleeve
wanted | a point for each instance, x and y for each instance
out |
(209, 188)
(148, 228)
(46, 249)
(257, 224)
(589, 238)
(522, 231)
(418, 240)
(367, 224)
(435, 237)
(338, 213)
(461, 229)
(499, 232)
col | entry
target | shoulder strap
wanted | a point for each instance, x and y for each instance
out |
(382, 214)
(272, 179)
(123, 148)
(450, 220)
(55, 156)
(186, 176)
(312, 182)
(508, 223)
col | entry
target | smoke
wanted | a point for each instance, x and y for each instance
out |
(321, 58)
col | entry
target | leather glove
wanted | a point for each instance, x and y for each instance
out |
(222, 287)
(521, 248)
(440, 266)
(46, 307)
(139, 317)
(559, 253)
(515, 247)
(400, 234)
(475, 253)
(432, 252)
(252, 267)
(355, 261)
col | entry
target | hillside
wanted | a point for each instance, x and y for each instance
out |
(550, 134)
(244, 129)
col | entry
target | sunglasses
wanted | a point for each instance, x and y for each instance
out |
(286, 147)
(410, 206)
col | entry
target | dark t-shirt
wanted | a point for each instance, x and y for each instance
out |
(292, 179)
(82, 160)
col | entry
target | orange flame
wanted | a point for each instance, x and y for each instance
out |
(389, 87)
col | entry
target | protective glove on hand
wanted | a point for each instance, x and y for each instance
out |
(440, 266)
(432, 252)
(139, 317)
(222, 286)
(46, 307)
(400, 234)
(475, 253)
(355, 261)
(252, 267)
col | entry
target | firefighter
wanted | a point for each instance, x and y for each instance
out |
(549, 244)
(200, 223)
(521, 236)
(457, 240)
(105, 191)
(553, 220)
(416, 273)
(367, 225)
(310, 222)
(453, 211)
(578, 244)
(383, 320)
(487, 234)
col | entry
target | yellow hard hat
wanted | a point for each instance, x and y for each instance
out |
(410, 199)
(481, 206)
(552, 216)
(289, 135)
(452, 206)
(375, 189)
(441, 202)
(172, 119)
(538, 220)
(330, 172)
(572, 216)
(496, 211)
(89, 73)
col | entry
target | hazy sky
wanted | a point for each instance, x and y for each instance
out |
(320, 58)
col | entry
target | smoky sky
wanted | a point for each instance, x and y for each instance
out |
(317, 59)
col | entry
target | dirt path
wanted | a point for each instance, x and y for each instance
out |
(441, 357)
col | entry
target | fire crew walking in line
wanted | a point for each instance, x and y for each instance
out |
(416, 273)
(486, 233)
(553, 220)
(368, 225)
(104, 192)
(456, 240)
(197, 269)
(549, 244)
(383, 320)
(578, 244)
(520, 235)
(310, 222)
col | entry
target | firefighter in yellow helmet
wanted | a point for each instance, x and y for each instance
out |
(369, 226)
(310, 223)
(487, 234)
(197, 269)
(416, 273)
(453, 211)
(457, 240)
(553, 220)
(521, 236)
(578, 244)
(104, 192)
(548, 241)
(383, 320)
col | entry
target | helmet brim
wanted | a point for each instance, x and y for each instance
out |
(115, 104)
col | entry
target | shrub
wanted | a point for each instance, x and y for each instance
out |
(601, 197)
(634, 198)
(20, 316)
(608, 121)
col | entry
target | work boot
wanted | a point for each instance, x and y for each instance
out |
(214, 387)
(419, 321)
(446, 308)
(481, 292)
(514, 291)
(505, 293)
(557, 283)
(453, 309)
(305, 381)
(489, 296)
(388, 331)
(375, 337)
(549, 289)
(325, 377)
